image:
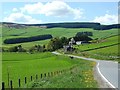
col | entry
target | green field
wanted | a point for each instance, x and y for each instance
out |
(110, 53)
(107, 49)
(20, 65)
(105, 42)
(55, 32)
(79, 77)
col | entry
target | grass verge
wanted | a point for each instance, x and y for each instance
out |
(79, 77)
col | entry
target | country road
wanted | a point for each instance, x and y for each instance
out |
(108, 70)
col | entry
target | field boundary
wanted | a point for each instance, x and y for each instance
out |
(101, 47)
(36, 77)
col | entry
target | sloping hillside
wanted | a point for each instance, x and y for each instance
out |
(32, 30)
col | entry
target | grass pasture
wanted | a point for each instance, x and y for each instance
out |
(107, 49)
(108, 53)
(79, 77)
(55, 32)
(21, 65)
(105, 42)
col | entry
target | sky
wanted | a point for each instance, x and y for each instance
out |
(60, 11)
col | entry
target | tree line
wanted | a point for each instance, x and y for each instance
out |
(95, 26)
(27, 39)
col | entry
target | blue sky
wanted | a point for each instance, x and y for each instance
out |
(59, 11)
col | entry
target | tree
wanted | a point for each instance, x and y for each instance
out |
(84, 33)
(54, 44)
(82, 37)
(36, 48)
(64, 40)
(17, 49)
(13, 49)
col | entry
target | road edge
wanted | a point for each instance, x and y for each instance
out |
(103, 77)
(105, 82)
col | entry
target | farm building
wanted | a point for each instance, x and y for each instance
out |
(70, 46)
(82, 42)
(43, 26)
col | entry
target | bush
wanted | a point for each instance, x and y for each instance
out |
(37, 48)
(13, 49)
(16, 49)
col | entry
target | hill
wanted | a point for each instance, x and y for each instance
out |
(32, 31)
(95, 26)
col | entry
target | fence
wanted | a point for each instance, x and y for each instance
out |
(42, 76)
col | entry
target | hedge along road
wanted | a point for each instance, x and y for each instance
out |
(108, 70)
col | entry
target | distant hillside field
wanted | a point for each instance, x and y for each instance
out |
(104, 43)
(107, 49)
(55, 32)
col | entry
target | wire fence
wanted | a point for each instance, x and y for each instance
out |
(36, 77)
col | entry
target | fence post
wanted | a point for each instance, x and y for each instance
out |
(41, 75)
(31, 78)
(19, 83)
(59, 72)
(11, 86)
(51, 73)
(25, 80)
(3, 86)
(36, 76)
(45, 74)
(56, 73)
(48, 74)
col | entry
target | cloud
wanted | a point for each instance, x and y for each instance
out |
(106, 19)
(21, 18)
(15, 10)
(32, 8)
(54, 8)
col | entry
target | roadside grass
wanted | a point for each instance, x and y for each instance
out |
(79, 77)
(21, 65)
